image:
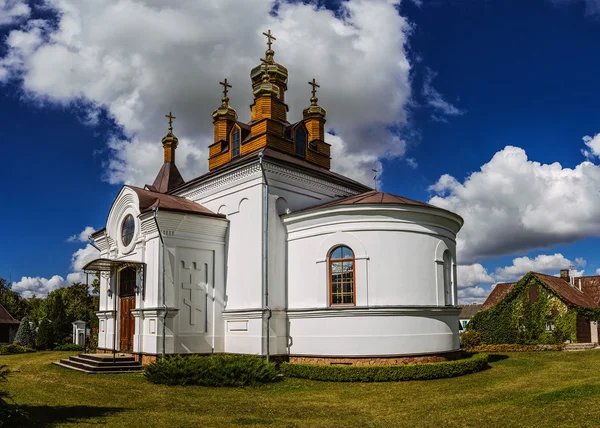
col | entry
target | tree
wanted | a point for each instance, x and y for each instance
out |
(25, 335)
(12, 301)
(45, 335)
(57, 314)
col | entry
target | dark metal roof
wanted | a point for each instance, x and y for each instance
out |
(469, 311)
(498, 293)
(6, 318)
(106, 265)
(149, 200)
(282, 158)
(167, 178)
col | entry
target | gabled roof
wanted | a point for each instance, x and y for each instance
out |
(5, 317)
(149, 200)
(498, 293)
(468, 311)
(565, 290)
(568, 293)
(590, 286)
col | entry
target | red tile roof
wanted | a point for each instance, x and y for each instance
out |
(149, 200)
(498, 293)
(590, 286)
(5, 317)
(569, 293)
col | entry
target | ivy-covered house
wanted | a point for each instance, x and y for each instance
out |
(541, 309)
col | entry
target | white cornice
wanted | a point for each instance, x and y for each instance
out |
(387, 311)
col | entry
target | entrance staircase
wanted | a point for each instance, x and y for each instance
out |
(580, 346)
(101, 363)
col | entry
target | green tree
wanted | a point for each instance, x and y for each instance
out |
(57, 314)
(25, 335)
(12, 301)
(45, 335)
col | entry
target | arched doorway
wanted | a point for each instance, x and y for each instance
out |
(127, 279)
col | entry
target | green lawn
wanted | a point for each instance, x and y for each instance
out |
(545, 389)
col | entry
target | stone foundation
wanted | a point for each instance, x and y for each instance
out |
(377, 361)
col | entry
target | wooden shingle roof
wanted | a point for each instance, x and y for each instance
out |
(5, 317)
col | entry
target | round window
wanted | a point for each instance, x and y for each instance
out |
(127, 230)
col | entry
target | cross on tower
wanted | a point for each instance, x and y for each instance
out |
(171, 117)
(225, 86)
(314, 86)
(269, 38)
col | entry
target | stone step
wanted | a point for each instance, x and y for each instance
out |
(107, 357)
(580, 346)
(95, 368)
(96, 363)
(66, 366)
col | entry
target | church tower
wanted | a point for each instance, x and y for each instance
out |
(169, 176)
(269, 126)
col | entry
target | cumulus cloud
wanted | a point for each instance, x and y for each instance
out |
(471, 275)
(514, 205)
(472, 295)
(82, 236)
(29, 286)
(139, 60)
(436, 100)
(593, 147)
(12, 11)
(544, 263)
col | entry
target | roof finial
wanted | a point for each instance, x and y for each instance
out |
(314, 99)
(171, 117)
(375, 177)
(225, 98)
(270, 37)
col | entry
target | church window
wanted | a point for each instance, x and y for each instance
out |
(235, 143)
(341, 276)
(448, 277)
(127, 230)
(300, 142)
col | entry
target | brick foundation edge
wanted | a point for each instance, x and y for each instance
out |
(146, 359)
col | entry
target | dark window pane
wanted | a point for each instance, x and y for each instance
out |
(347, 287)
(235, 143)
(127, 230)
(348, 298)
(300, 142)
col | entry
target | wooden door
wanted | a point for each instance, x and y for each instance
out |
(584, 332)
(127, 324)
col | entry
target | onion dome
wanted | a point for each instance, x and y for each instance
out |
(314, 111)
(225, 111)
(266, 87)
(278, 74)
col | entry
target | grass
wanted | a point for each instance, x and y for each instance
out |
(538, 389)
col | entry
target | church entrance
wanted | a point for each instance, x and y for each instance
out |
(127, 278)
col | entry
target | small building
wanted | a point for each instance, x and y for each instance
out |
(542, 308)
(80, 332)
(8, 327)
(466, 313)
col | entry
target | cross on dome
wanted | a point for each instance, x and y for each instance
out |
(170, 117)
(270, 37)
(225, 87)
(314, 86)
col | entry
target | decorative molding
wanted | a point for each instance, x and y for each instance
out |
(376, 311)
(227, 178)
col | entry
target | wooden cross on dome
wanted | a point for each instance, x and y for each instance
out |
(171, 117)
(270, 37)
(314, 86)
(225, 87)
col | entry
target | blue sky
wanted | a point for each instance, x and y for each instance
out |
(440, 93)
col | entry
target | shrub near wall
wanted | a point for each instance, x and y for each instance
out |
(213, 370)
(335, 373)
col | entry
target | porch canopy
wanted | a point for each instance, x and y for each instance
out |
(108, 266)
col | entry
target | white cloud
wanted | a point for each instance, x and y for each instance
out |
(139, 60)
(593, 144)
(544, 263)
(580, 261)
(471, 275)
(29, 286)
(514, 205)
(436, 100)
(472, 295)
(598, 271)
(82, 236)
(12, 11)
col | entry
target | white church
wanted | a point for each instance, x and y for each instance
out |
(271, 253)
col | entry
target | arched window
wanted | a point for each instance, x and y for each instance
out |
(300, 142)
(235, 143)
(448, 277)
(341, 276)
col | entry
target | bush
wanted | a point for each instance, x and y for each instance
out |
(45, 336)
(25, 335)
(470, 339)
(70, 347)
(517, 348)
(213, 370)
(471, 364)
(14, 349)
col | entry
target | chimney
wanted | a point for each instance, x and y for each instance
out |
(564, 274)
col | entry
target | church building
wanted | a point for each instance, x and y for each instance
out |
(271, 253)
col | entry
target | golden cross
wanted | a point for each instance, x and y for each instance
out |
(171, 117)
(269, 37)
(314, 86)
(225, 86)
